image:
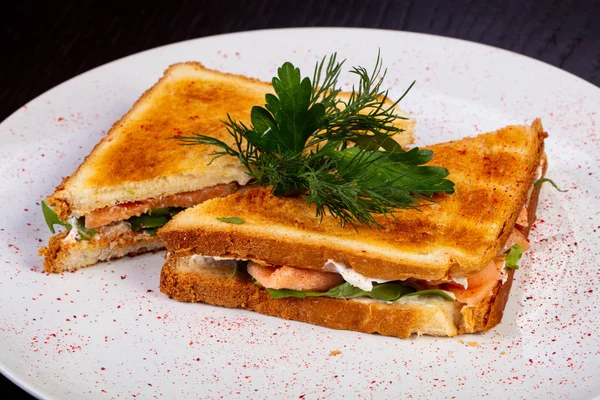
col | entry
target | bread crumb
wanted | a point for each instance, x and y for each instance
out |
(502, 353)
(461, 342)
(472, 344)
(334, 353)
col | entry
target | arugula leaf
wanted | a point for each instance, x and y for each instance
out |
(147, 221)
(513, 256)
(84, 233)
(52, 218)
(542, 180)
(231, 220)
(389, 291)
(154, 219)
(385, 291)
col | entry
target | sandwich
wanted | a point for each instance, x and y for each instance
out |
(136, 179)
(444, 268)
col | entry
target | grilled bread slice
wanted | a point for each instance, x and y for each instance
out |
(479, 179)
(135, 169)
(185, 279)
(456, 237)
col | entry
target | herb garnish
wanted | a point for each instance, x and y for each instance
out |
(231, 220)
(338, 154)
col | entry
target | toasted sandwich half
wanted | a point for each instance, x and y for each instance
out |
(135, 179)
(443, 270)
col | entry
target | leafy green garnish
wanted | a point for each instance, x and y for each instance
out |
(513, 256)
(152, 220)
(390, 291)
(52, 218)
(231, 220)
(339, 154)
(84, 233)
(542, 180)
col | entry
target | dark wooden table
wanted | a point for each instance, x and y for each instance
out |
(46, 43)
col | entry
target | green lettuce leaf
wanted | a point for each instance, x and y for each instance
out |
(84, 233)
(151, 221)
(513, 256)
(389, 291)
(52, 218)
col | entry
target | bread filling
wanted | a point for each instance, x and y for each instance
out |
(338, 280)
(134, 217)
(111, 233)
(119, 212)
(351, 276)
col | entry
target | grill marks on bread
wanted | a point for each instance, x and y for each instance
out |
(458, 236)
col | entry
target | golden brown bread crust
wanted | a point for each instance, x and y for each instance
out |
(60, 256)
(441, 318)
(400, 320)
(135, 162)
(458, 236)
(135, 149)
(489, 312)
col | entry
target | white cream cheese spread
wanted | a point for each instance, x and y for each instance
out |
(351, 276)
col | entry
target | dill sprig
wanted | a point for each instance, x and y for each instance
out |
(336, 151)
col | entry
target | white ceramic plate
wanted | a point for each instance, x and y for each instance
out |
(107, 332)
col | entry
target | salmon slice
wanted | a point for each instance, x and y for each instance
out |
(523, 218)
(480, 284)
(293, 278)
(120, 212)
(473, 295)
(516, 237)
